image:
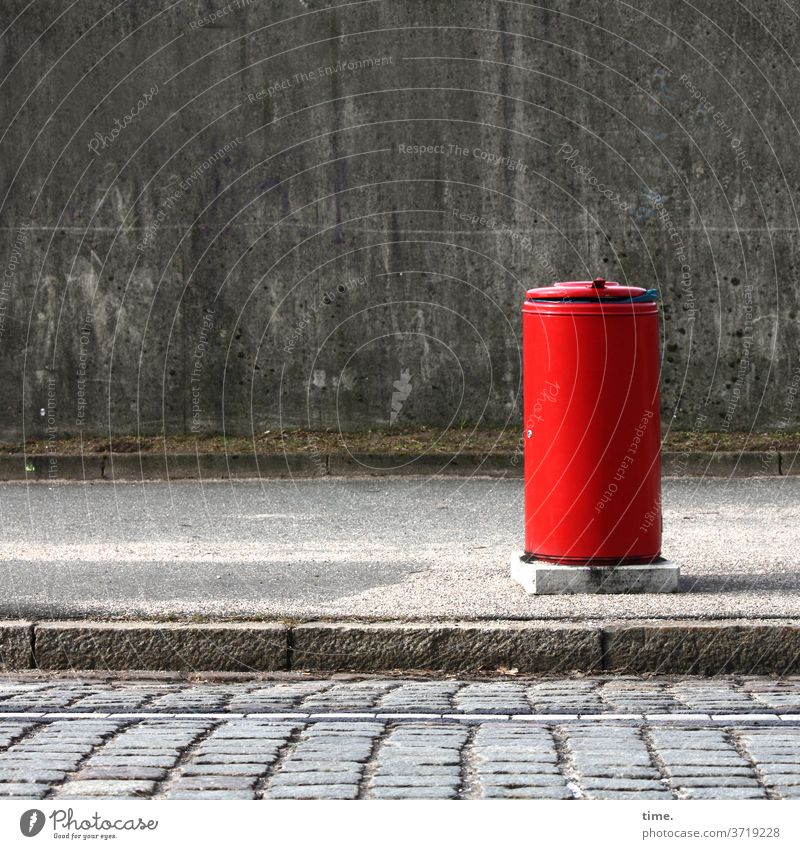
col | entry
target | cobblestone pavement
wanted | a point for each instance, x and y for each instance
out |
(291, 736)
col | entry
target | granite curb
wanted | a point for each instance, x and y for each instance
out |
(746, 647)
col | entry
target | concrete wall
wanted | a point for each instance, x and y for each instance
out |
(225, 224)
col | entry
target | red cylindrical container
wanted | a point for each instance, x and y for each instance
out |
(591, 425)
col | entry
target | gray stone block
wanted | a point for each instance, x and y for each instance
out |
(462, 464)
(725, 793)
(716, 781)
(415, 781)
(223, 769)
(23, 790)
(446, 647)
(526, 793)
(299, 779)
(235, 647)
(720, 463)
(137, 773)
(213, 782)
(212, 794)
(310, 791)
(413, 793)
(703, 648)
(105, 789)
(16, 646)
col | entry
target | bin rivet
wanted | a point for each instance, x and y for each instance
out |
(599, 283)
(529, 434)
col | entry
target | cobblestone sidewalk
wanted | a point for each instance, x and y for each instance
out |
(293, 737)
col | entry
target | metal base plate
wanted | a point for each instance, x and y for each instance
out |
(541, 578)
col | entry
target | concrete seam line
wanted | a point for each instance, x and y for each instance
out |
(129, 466)
(289, 649)
(32, 635)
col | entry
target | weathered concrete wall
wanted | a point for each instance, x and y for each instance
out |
(225, 224)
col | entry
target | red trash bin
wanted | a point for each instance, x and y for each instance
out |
(592, 435)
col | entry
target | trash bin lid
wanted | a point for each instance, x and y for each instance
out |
(585, 290)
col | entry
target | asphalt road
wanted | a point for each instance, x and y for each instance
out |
(295, 737)
(397, 548)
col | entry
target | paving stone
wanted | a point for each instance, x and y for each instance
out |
(591, 783)
(716, 781)
(223, 769)
(432, 780)
(422, 759)
(725, 793)
(281, 779)
(631, 795)
(319, 791)
(788, 792)
(213, 794)
(24, 790)
(787, 760)
(414, 793)
(687, 758)
(27, 774)
(106, 789)
(429, 696)
(524, 779)
(14, 761)
(678, 771)
(774, 778)
(529, 792)
(508, 755)
(212, 782)
(613, 772)
(142, 773)
(337, 766)
(133, 760)
(497, 697)
(517, 768)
